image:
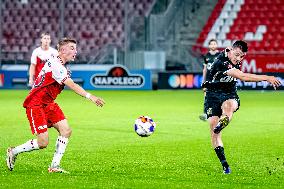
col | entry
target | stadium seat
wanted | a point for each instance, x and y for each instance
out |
(253, 20)
(28, 20)
(249, 36)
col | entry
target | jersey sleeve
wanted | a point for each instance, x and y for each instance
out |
(59, 72)
(55, 52)
(231, 67)
(225, 72)
(33, 57)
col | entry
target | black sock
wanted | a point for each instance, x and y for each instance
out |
(221, 155)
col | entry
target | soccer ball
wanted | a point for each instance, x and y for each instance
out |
(144, 126)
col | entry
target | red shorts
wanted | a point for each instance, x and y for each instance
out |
(41, 118)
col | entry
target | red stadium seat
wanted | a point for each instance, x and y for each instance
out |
(251, 15)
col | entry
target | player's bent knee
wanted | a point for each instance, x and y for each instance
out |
(42, 140)
(42, 143)
(69, 132)
(66, 132)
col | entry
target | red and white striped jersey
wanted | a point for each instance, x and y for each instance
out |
(40, 56)
(48, 84)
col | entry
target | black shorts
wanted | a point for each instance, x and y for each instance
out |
(214, 101)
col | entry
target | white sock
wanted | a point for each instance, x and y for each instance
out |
(26, 147)
(61, 144)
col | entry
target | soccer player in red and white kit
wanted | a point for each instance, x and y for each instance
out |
(43, 112)
(39, 57)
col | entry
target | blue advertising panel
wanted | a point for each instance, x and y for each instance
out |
(117, 77)
(13, 79)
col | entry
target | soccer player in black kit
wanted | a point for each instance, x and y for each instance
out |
(221, 99)
(209, 58)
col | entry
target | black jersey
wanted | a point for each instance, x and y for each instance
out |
(218, 80)
(208, 61)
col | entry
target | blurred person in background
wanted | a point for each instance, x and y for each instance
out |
(209, 58)
(40, 56)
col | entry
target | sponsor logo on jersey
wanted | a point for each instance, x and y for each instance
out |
(227, 79)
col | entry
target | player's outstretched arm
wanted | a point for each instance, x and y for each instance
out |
(274, 81)
(80, 91)
(254, 77)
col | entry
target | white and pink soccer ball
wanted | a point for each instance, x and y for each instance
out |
(144, 126)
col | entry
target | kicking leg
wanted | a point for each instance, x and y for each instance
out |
(228, 108)
(217, 144)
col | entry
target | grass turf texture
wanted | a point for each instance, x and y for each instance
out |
(105, 152)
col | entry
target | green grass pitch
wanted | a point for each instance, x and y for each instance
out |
(105, 152)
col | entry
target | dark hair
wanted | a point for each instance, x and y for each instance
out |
(212, 40)
(65, 41)
(241, 44)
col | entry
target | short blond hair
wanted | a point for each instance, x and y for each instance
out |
(65, 41)
(44, 34)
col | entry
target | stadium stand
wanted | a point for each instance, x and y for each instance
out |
(258, 22)
(95, 23)
(99, 25)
